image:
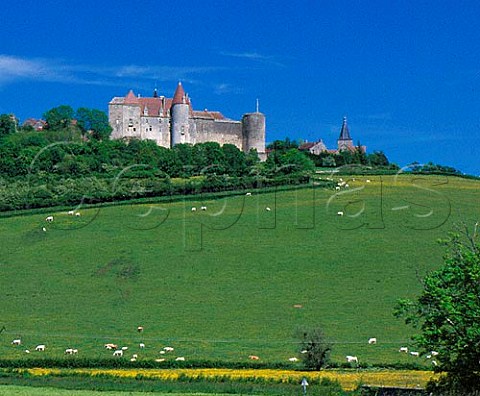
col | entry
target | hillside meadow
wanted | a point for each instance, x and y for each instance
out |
(233, 280)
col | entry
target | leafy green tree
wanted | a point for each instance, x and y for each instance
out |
(94, 123)
(448, 314)
(59, 117)
(378, 158)
(290, 161)
(8, 124)
(235, 160)
(359, 155)
(314, 348)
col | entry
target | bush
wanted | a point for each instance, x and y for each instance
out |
(315, 349)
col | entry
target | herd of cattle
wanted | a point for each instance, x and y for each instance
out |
(117, 351)
(403, 349)
(120, 351)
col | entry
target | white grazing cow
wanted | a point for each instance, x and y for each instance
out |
(44, 229)
(118, 352)
(180, 359)
(372, 340)
(111, 346)
(141, 345)
(337, 188)
(293, 359)
(340, 213)
(434, 363)
(124, 348)
(27, 351)
(40, 348)
(403, 349)
(368, 180)
(49, 219)
(434, 353)
(159, 360)
(18, 341)
(162, 352)
(75, 351)
(304, 351)
(168, 349)
(248, 194)
(253, 357)
(140, 329)
(194, 209)
(77, 214)
(268, 209)
(71, 212)
(417, 354)
(133, 359)
(351, 359)
(203, 208)
(69, 351)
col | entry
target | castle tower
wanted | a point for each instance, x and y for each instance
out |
(180, 116)
(253, 133)
(345, 142)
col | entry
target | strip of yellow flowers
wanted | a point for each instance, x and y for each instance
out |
(348, 379)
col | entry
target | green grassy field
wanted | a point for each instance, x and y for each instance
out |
(227, 289)
(30, 391)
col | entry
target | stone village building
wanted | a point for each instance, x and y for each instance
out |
(344, 143)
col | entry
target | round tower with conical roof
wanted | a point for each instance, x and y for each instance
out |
(180, 112)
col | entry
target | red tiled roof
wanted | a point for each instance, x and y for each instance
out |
(306, 146)
(154, 105)
(214, 115)
(131, 98)
(179, 95)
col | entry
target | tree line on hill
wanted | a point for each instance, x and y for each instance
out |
(329, 159)
(73, 159)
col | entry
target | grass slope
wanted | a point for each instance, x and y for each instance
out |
(227, 289)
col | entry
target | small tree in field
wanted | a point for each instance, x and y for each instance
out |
(315, 350)
(448, 315)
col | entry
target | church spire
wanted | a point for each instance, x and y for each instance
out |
(344, 133)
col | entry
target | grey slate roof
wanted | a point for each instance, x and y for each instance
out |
(344, 133)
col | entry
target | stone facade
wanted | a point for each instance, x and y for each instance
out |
(170, 121)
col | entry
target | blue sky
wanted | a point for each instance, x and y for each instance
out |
(405, 73)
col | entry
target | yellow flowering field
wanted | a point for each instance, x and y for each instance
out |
(348, 379)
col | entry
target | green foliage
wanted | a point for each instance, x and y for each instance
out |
(448, 314)
(8, 124)
(59, 117)
(432, 168)
(315, 350)
(378, 158)
(93, 123)
(283, 145)
(290, 161)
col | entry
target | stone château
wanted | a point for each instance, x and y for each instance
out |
(170, 121)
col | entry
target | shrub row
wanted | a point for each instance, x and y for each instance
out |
(121, 363)
(37, 192)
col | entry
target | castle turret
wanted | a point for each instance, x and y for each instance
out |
(344, 141)
(180, 116)
(253, 133)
